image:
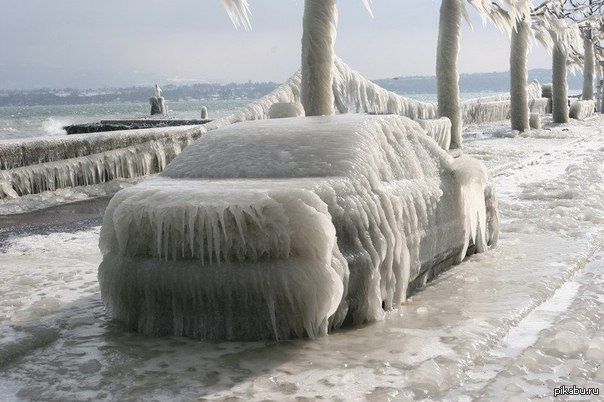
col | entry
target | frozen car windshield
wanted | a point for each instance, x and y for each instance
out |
(384, 147)
(271, 149)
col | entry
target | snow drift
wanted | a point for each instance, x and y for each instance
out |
(290, 227)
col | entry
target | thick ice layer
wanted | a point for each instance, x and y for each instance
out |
(483, 112)
(287, 227)
(498, 107)
(535, 121)
(15, 154)
(355, 93)
(582, 109)
(479, 111)
(135, 161)
(285, 109)
(439, 130)
(539, 105)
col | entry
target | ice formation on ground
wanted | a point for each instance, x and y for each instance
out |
(300, 223)
(582, 109)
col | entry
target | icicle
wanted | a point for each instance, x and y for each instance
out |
(239, 13)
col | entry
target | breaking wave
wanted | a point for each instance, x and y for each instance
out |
(53, 126)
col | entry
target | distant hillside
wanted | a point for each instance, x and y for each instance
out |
(497, 82)
(70, 96)
(478, 82)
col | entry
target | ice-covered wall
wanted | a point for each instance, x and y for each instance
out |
(498, 107)
(129, 162)
(582, 109)
(288, 227)
(14, 154)
(483, 112)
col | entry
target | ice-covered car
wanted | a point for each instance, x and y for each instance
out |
(291, 227)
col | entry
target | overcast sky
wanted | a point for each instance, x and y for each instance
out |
(92, 43)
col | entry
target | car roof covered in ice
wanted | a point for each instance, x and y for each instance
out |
(386, 147)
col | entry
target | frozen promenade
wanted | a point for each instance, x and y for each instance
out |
(514, 323)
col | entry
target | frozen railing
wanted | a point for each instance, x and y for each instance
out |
(582, 109)
(134, 161)
(32, 151)
(498, 107)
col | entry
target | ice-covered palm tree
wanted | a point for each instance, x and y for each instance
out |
(526, 30)
(318, 50)
(519, 108)
(589, 65)
(447, 78)
(563, 23)
(589, 14)
(318, 55)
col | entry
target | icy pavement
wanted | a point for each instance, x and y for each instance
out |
(512, 324)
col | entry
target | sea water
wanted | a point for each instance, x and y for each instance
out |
(37, 121)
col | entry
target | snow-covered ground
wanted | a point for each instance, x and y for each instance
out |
(511, 324)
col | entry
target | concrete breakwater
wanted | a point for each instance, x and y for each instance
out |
(130, 124)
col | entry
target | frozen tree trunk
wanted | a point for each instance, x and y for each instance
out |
(519, 76)
(447, 79)
(560, 87)
(318, 53)
(600, 76)
(589, 63)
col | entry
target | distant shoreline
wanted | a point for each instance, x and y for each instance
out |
(476, 82)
